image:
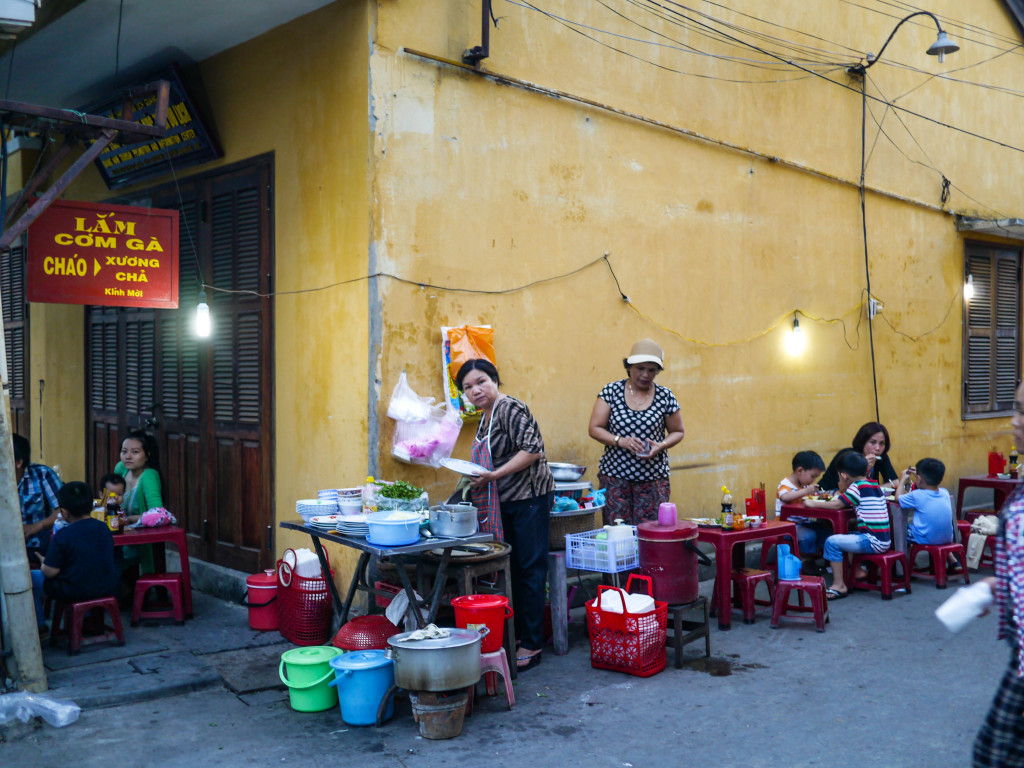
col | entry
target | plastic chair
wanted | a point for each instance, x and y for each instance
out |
(745, 581)
(882, 563)
(491, 665)
(814, 588)
(72, 615)
(936, 566)
(173, 584)
(988, 554)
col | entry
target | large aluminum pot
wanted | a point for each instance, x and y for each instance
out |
(442, 664)
(453, 520)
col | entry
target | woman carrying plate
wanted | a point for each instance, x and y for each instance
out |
(514, 496)
(871, 440)
(637, 421)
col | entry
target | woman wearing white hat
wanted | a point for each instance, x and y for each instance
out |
(637, 421)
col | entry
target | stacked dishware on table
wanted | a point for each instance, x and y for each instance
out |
(347, 501)
(310, 508)
(353, 525)
(326, 523)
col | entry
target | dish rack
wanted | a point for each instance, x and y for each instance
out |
(586, 552)
(578, 521)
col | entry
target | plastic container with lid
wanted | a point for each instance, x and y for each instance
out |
(261, 600)
(669, 556)
(362, 679)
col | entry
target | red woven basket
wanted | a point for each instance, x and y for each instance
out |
(305, 606)
(633, 643)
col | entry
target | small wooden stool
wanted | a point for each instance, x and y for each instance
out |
(72, 615)
(814, 586)
(172, 583)
(936, 567)
(695, 629)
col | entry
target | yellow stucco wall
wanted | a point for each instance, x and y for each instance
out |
(488, 187)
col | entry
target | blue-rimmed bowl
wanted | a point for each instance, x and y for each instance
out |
(393, 529)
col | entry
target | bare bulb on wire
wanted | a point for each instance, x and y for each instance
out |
(796, 342)
(203, 325)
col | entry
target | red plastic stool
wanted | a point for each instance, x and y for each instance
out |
(72, 615)
(767, 545)
(745, 581)
(814, 587)
(883, 562)
(169, 581)
(988, 554)
(491, 665)
(936, 567)
(971, 515)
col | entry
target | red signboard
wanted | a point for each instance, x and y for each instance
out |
(111, 255)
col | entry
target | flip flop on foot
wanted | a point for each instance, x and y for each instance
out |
(530, 661)
(835, 594)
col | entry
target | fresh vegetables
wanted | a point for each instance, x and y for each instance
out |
(399, 490)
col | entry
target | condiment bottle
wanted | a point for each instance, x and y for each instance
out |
(1014, 466)
(727, 516)
(369, 496)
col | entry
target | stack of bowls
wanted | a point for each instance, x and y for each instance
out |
(328, 494)
(309, 508)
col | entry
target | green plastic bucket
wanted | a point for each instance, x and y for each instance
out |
(308, 677)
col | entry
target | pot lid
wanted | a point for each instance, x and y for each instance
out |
(265, 579)
(313, 654)
(360, 660)
(456, 639)
(681, 531)
(479, 601)
(580, 486)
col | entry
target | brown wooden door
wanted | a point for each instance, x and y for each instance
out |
(210, 402)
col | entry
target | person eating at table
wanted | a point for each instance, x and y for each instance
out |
(874, 533)
(796, 486)
(872, 442)
(37, 495)
(515, 495)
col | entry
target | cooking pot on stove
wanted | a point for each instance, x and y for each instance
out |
(437, 664)
(455, 520)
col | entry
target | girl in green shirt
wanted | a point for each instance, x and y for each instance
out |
(138, 466)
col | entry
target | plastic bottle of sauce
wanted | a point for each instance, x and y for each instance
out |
(727, 515)
(113, 518)
(369, 496)
(1014, 459)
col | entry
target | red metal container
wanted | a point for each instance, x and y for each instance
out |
(669, 556)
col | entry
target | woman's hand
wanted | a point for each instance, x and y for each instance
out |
(634, 445)
(871, 461)
(483, 479)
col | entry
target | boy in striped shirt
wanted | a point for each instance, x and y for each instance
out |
(874, 534)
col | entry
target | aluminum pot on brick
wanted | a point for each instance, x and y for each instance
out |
(437, 664)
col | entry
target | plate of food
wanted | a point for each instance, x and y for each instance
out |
(463, 467)
(704, 520)
(817, 501)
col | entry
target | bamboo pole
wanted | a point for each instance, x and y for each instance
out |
(14, 575)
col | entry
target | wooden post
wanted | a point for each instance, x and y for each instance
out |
(558, 595)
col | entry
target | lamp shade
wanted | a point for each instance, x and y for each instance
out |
(942, 46)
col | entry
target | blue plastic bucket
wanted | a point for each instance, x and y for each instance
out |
(362, 679)
(789, 565)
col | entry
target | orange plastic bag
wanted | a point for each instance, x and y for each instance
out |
(470, 342)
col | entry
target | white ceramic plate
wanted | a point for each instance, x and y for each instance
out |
(331, 520)
(463, 467)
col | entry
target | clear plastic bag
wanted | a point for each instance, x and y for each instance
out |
(424, 433)
(24, 706)
(406, 405)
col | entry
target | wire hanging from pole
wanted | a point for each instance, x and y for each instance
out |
(864, 232)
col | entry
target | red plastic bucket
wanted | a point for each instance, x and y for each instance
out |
(472, 611)
(262, 601)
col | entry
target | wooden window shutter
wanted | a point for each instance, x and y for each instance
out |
(992, 334)
(139, 367)
(15, 316)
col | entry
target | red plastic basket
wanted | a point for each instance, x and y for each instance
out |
(305, 606)
(633, 643)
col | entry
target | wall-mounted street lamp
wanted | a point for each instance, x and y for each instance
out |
(940, 47)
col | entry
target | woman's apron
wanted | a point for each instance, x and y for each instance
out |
(488, 508)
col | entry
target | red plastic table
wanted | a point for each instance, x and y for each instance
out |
(723, 541)
(160, 536)
(840, 518)
(1000, 487)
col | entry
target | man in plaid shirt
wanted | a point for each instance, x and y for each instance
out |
(37, 493)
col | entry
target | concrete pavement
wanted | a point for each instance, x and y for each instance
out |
(885, 685)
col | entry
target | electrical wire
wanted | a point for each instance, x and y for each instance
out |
(10, 69)
(864, 233)
(956, 296)
(117, 46)
(188, 229)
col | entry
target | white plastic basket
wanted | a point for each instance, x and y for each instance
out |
(585, 552)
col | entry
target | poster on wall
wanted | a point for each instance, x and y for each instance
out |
(107, 255)
(459, 344)
(188, 140)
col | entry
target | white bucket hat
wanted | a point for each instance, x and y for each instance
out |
(646, 351)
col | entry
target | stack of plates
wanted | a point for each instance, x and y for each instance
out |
(328, 494)
(308, 508)
(323, 522)
(352, 525)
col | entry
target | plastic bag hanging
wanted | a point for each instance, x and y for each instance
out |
(424, 433)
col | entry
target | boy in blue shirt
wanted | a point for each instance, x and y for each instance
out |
(933, 510)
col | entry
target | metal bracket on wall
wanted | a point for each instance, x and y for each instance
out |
(479, 52)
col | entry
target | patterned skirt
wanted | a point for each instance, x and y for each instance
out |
(1000, 742)
(632, 501)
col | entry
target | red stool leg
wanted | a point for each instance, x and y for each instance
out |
(817, 595)
(782, 590)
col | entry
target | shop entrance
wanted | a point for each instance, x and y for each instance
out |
(209, 402)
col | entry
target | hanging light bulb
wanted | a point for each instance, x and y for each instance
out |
(796, 342)
(969, 288)
(202, 317)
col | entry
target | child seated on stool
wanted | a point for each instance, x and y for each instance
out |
(79, 564)
(933, 510)
(808, 466)
(874, 534)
